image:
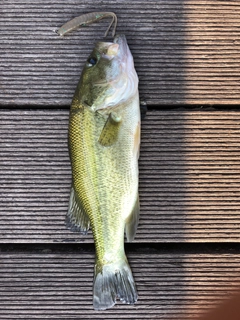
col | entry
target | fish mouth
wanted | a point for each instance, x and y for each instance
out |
(124, 53)
(121, 40)
(122, 81)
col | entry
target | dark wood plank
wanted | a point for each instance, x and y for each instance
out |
(170, 286)
(184, 51)
(189, 177)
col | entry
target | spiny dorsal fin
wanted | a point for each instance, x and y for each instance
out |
(76, 219)
(132, 221)
(110, 130)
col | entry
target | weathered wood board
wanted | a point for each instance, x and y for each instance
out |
(184, 51)
(189, 177)
(170, 285)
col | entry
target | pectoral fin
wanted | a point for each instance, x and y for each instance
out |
(132, 222)
(110, 130)
(76, 219)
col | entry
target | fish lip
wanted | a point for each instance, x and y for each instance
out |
(122, 41)
(120, 38)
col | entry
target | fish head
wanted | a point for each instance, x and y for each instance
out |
(109, 77)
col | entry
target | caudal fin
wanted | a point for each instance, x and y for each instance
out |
(113, 281)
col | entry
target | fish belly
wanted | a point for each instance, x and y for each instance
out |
(105, 180)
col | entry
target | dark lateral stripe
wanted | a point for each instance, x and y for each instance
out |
(170, 286)
(189, 177)
(184, 51)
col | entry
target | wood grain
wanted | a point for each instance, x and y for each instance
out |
(189, 177)
(170, 285)
(186, 52)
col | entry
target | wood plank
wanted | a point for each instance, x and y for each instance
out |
(58, 285)
(189, 177)
(186, 52)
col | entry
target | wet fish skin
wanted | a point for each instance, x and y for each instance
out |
(104, 138)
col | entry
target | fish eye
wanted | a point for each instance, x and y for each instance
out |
(91, 61)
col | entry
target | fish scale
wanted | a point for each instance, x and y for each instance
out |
(104, 138)
(97, 174)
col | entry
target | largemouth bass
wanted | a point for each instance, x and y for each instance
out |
(104, 139)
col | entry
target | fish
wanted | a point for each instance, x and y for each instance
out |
(104, 144)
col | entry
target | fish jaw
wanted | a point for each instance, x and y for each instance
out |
(113, 79)
(125, 86)
(124, 53)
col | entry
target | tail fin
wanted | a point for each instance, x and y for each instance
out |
(113, 281)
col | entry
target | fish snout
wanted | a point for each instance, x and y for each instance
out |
(121, 40)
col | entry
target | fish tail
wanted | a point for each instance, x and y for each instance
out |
(113, 281)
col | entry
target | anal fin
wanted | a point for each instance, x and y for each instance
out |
(110, 130)
(76, 219)
(132, 221)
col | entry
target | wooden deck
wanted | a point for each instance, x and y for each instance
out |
(186, 255)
